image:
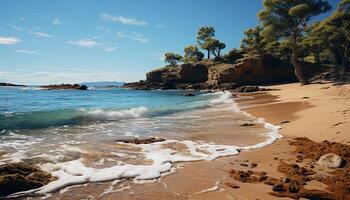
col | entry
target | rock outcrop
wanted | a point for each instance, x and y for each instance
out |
(219, 75)
(65, 87)
(193, 73)
(247, 89)
(11, 85)
(141, 140)
(252, 70)
(16, 177)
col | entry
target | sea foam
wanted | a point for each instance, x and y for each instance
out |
(163, 158)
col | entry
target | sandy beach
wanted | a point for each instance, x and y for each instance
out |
(317, 111)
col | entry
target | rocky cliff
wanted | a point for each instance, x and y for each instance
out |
(211, 75)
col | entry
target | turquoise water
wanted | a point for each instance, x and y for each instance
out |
(74, 134)
(32, 108)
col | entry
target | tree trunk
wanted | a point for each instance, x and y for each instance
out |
(343, 59)
(317, 58)
(344, 62)
(208, 54)
(297, 66)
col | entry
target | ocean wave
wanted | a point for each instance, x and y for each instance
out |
(45, 119)
(109, 115)
(75, 172)
(63, 117)
(224, 97)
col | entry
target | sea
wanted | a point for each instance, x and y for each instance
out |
(76, 135)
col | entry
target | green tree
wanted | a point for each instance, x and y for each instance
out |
(214, 46)
(254, 43)
(313, 44)
(232, 56)
(204, 34)
(288, 19)
(334, 32)
(172, 58)
(192, 54)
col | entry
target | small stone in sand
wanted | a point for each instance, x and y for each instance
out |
(253, 165)
(285, 122)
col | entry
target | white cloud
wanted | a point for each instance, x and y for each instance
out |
(39, 34)
(133, 36)
(32, 52)
(9, 40)
(109, 49)
(66, 76)
(22, 18)
(84, 43)
(56, 21)
(122, 19)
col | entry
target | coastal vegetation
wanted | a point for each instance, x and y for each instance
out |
(288, 32)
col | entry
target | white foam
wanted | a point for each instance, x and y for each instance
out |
(75, 172)
(214, 188)
(224, 97)
(106, 115)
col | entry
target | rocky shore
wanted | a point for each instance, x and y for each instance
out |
(16, 177)
(65, 87)
(220, 75)
(11, 85)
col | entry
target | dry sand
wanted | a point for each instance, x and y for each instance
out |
(316, 111)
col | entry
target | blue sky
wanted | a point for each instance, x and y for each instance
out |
(44, 42)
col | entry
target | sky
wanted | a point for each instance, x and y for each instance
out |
(65, 41)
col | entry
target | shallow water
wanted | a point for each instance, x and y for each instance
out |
(72, 134)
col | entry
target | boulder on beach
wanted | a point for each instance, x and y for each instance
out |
(16, 177)
(330, 160)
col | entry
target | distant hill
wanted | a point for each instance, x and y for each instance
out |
(103, 84)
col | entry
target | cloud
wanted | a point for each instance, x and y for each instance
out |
(133, 36)
(22, 18)
(9, 40)
(39, 34)
(31, 52)
(84, 43)
(109, 49)
(66, 76)
(56, 21)
(122, 19)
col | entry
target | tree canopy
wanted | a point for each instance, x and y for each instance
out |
(204, 34)
(172, 58)
(254, 42)
(289, 19)
(192, 54)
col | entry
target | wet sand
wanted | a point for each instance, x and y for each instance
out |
(317, 111)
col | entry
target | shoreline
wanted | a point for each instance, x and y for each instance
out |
(192, 181)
